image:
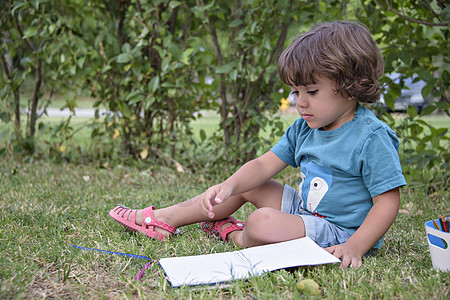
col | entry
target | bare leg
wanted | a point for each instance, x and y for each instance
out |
(189, 212)
(268, 225)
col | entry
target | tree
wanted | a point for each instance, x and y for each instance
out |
(143, 68)
(247, 38)
(147, 64)
(413, 36)
(38, 39)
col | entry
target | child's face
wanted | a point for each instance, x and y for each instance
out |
(321, 107)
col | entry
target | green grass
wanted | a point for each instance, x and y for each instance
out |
(209, 122)
(47, 207)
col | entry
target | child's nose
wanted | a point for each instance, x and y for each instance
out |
(301, 101)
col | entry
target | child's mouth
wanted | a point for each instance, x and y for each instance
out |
(306, 116)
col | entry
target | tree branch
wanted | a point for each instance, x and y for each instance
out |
(409, 19)
(19, 29)
(5, 67)
(223, 91)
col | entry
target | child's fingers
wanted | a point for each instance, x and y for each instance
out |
(345, 262)
(208, 210)
(214, 195)
(330, 249)
(347, 259)
(208, 204)
(223, 195)
(356, 263)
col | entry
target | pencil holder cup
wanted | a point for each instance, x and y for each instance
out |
(439, 242)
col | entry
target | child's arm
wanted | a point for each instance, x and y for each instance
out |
(376, 224)
(249, 176)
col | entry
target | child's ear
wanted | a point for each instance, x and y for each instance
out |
(348, 96)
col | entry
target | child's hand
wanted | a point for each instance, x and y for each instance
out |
(348, 255)
(213, 196)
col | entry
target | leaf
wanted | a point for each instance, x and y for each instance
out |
(226, 68)
(165, 64)
(428, 110)
(179, 168)
(185, 56)
(153, 84)
(127, 67)
(411, 111)
(116, 134)
(124, 58)
(124, 109)
(148, 102)
(426, 90)
(35, 4)
(30, 32)
(144, 153)
(174, 4)
(25, 61)
(5, 117)
(174, 49)
(425, 75)
(405, 57)
(17, 6)
(106, 68)
(236, 23)
(233, 74)
(80, 61)
(168, 85)
(202, 135)
(132, 94)
(390, 103)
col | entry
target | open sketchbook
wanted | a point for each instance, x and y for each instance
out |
(242, 264)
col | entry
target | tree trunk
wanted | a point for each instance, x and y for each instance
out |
(35, 99)
(7, 68)
(17, 130)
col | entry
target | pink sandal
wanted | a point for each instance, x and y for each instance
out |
(215, 227)
(121, 214)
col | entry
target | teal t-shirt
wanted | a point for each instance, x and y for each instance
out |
(343, 169)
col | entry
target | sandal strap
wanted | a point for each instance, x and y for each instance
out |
(149, 220)
(127, 217)
(215, 227)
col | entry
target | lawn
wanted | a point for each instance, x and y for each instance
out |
(209, 122)
(48, 207)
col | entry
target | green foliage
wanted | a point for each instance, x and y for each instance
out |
(155, 65)
(414, 40)
(413, 37)
(423, 149)
(39, 44)
(246, 38)
(146, 72)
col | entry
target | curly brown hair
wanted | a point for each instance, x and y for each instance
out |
(343, 51)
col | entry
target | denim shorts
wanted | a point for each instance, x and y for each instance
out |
(324, 233)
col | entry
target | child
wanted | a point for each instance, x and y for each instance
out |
(350, 172)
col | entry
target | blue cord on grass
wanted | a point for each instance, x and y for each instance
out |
(139, 276)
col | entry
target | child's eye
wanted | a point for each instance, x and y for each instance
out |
(313, 92)
(294, 93)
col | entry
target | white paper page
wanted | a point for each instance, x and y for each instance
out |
(221, 267)
(299, 252)
(205, 269)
